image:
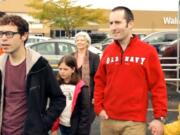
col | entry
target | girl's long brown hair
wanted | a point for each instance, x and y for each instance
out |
(70, 61)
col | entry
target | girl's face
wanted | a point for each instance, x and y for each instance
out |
(65, 72)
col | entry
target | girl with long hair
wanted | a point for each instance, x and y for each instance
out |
(74, 120)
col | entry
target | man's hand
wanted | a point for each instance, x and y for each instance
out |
(156, 127)
(103, 115)
(93, 101)
(54, 133)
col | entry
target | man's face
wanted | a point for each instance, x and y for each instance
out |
(10, 39)
(119, 27)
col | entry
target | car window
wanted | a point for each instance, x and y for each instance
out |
(31, 40)
(36, 39)
(141, 36)
(170, 37)
(97, 37)
(65, 48)
(107, 41)
(44, 48)
(161, 37)
(156, 38)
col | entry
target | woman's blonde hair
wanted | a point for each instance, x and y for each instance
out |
(85, 35)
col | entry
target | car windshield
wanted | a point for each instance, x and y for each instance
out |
(107, 40)
(36, 39)
(160, 37)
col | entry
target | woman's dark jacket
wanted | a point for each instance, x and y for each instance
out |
(93, 63)
(41, 86)
(93, 66)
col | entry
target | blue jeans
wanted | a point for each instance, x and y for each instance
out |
(65, 130)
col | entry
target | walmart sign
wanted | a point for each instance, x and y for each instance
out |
(170, 20)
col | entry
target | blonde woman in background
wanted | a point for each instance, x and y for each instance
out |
(87, 64)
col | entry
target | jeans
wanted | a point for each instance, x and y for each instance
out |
(65, 130)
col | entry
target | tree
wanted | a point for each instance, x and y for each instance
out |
(64, 14)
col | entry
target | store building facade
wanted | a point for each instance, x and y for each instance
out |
(145, 21)
(153, 21)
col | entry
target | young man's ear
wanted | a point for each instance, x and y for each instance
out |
(74, 69)
(25, 36)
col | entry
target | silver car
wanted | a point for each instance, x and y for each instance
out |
(54, 49)
(161, 40)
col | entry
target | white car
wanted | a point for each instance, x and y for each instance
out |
(35, 39)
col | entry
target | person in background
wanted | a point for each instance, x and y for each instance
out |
(74, 119)
(27, 83)
(87, 65)
(129, 69)
(1, 15)
(173, 128)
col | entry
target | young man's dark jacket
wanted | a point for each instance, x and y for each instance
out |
(41, 84)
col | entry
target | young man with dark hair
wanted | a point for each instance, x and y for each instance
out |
(128, 70)
(27, 81)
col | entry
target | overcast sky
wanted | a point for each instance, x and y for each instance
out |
(164, 5)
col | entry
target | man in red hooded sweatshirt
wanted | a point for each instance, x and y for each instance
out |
(129, 69)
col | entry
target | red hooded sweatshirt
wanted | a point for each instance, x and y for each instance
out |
(124, 78)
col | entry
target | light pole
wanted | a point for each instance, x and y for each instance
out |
(178, 47)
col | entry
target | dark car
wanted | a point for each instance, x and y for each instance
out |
(171, 66)
(101, 45)
(97, 37)
(170, 61)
